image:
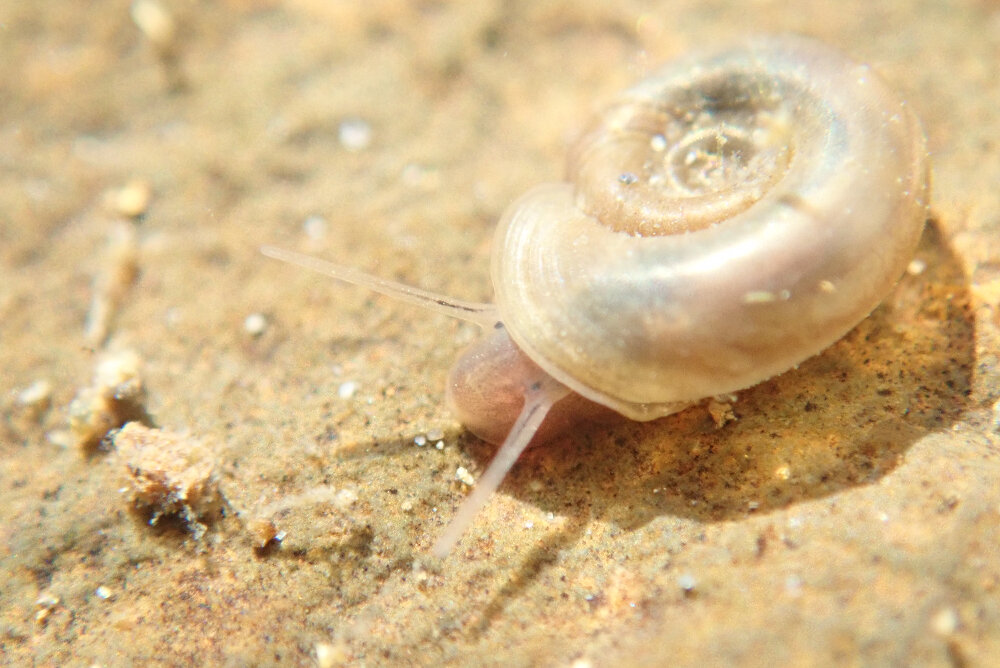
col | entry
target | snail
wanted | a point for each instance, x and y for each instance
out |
(722, 221)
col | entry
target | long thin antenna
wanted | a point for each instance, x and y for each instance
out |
(538, 401)
(482, 314)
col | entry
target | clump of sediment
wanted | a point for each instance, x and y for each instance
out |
(169, 474)
(116, 396)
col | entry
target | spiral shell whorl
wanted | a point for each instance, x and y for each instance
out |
(725, 220)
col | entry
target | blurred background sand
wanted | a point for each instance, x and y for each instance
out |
(848, 515)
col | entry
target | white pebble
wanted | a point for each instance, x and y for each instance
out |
(37, 394)
(420, 440)
(355, 134)
(329, 655)
(916, 267)
(130, 201)
(156, 23)
(686, 581)
(435, 435)
(347, 389)
(103, 593)
(462, 473)
(255, 324)
(945, 622)
(345, 498)
(439, 445)
(315, 227)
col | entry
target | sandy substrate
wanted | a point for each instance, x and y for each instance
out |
(281, 510)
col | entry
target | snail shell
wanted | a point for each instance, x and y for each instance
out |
(724, 220)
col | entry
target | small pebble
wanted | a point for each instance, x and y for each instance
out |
(169, 474)
(721, 412)
(116, 397)
(462, 473)
(945, 622)
(916, 267)
(132, 200)
(329, 655)
(156, 23)
(345, 498)
(47, 600)
(420, 440)
(439, 445)
(435, 435)
(315, 227)
(255, 324)
(347, 389)
(103, 593)
(262, 532)
(62, 438)
(686, 581)
(45, 604)
(37, 395)
(355, 134)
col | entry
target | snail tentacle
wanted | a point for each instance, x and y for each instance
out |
(538, 401)
(483, 314)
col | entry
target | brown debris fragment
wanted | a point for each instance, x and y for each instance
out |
(721, 412)
(117, 396)
(118, 272)
(262, 532)
(169, 474)
(159, 26)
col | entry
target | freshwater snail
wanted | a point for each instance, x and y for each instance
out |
(722, 221)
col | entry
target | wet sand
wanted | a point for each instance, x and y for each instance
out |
(849, 514)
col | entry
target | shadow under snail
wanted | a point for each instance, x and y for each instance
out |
(723, 220)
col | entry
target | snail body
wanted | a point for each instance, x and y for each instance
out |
(724, 220)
